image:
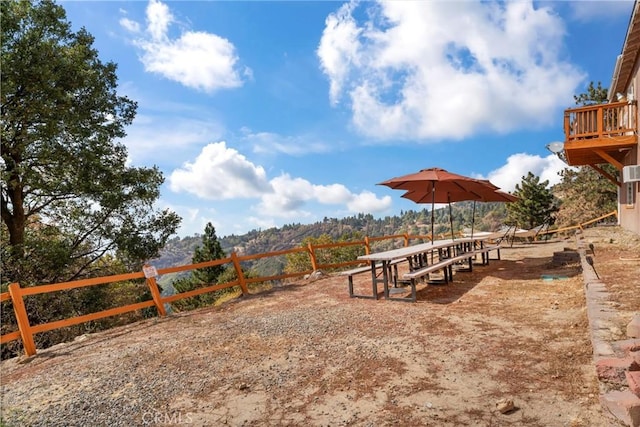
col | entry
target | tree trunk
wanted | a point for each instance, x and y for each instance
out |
(14, 218)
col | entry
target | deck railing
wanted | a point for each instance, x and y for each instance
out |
(600, 121)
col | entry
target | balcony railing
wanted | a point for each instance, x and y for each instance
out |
(600, 121)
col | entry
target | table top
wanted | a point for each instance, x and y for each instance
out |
(408, 251)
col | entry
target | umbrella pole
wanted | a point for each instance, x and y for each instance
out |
(473, 217)
(433, 202)
(451, 221)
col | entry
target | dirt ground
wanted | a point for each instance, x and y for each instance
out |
(304, 353)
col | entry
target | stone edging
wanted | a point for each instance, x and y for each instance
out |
(613, 359)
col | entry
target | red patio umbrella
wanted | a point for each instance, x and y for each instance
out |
(440, 186)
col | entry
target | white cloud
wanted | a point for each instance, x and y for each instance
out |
(338, 47)
(447, 69)
(518, 165)
(589, 11)
(292, 195)
(196, 59)
(129, 25)
(262, 223)
(158, 17)
(220, 173)
(368, 202)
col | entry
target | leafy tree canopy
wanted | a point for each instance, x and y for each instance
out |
(68, 197)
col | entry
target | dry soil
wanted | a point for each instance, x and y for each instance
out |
(304, 353)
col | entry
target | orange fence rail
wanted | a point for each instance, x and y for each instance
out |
(26, 331)
(579, 226)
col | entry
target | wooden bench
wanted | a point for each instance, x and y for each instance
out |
(484, 252)
(367, 268)
(444, 264)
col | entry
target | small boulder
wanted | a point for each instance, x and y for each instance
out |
(505, 405)
(633, 328)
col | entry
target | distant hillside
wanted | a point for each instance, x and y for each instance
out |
(488, 216)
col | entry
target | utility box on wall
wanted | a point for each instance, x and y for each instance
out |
(631, 173)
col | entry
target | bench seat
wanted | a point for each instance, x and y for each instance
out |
(424, 271)
(445, 264)
(358, 270)
(485, 252)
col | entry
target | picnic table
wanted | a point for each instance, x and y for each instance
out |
(423, 259)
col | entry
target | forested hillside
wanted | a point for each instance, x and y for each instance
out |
(488, 216)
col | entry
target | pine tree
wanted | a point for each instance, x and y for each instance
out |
(536, 204)
(203, 277)
(593, 95)
(209, 251)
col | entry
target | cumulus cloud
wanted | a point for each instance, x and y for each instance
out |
(434, 70)
(368, 202)
(196, 59)
(221, 173)
(338, 47)
(129, 25)
(291, 196)
(518, 165)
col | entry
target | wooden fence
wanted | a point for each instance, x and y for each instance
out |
(576, 227)
(26, 331)
(16, 294)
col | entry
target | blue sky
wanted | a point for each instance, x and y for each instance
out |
(261, 114)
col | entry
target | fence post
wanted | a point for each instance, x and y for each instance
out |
(157, 298)
(367, 245)
(406, 239)
(22, 319)
(239, 273)
(312, 254)
(150, 274)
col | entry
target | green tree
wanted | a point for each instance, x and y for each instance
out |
(536, 204)
(68, 197)
(210, 250)
(584, 195)
(301, 261)
(593, 95)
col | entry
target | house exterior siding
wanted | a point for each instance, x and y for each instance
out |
(629, 193)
